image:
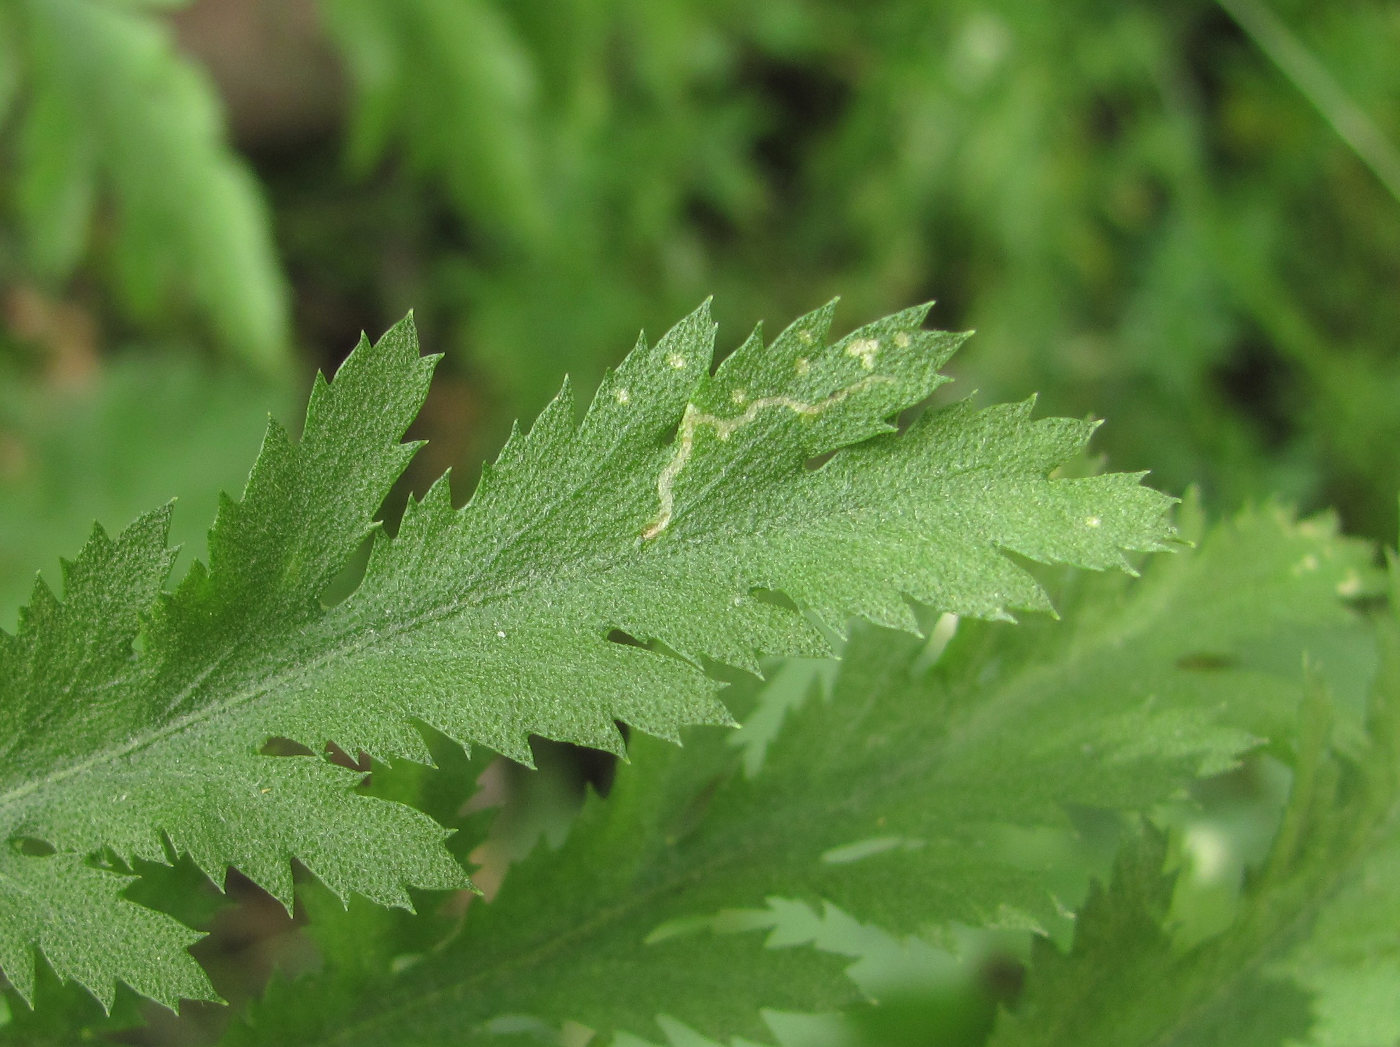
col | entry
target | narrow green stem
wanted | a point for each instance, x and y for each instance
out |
(1319, 87)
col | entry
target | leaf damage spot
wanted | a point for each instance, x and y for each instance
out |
(865, 350)
(623, 396)
(676, 360)
(724, 428)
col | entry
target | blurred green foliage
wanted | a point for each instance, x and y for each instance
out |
(116, 156)
(1154, 212)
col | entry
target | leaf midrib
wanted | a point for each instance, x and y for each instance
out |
(1028, 684)
(363, 636)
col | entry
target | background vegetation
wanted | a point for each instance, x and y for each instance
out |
(1184, 217)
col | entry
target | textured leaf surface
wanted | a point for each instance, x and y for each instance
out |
(678, 502)
(908, 797)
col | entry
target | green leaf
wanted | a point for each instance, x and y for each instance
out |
(911, 796)
(112, 109)
(1310, 956)
(146, 428)
(1336, 870)
(1124, 985)
(466, 118)
(679, 502)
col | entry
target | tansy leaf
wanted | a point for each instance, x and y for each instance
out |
(1310, 956)
(685, 515)
(923, 790)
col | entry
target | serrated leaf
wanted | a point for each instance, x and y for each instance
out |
(899, 798)
(1311, 955)
(88, 930)
(146, 428)
(678, 501)
(1124, 985)
(1335, 869)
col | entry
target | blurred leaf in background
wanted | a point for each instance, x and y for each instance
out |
(117, 164)
(145, 429)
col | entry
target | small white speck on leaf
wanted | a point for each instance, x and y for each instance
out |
(676, 360)
(864, 349)
(803, 365)
(1093, 521)
(739, 396)
(902, 340)
(501, 633)
(622, 396)
(806, 337)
